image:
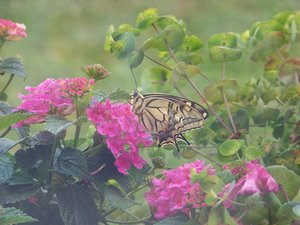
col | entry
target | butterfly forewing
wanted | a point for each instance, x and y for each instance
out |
(167, 116)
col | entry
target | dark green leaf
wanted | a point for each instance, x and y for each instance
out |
(4, 108)
(26, 158)
(55, 124)
(288, 180)
(119, 94)
(12, 118)
(12, 66)
(72, 162)
(16, 193)
(214, 92)
(6, 169)
(7, 144)
(76, 206)
(20, 178)
(117, 199)
(11, 215)
(266, 115)
(241, 119)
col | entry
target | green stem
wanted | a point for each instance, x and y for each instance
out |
(229, 111)
(205, 156)
(53, 150)
(7, 84)
(78, 127)
(5, 132)
(128, 222)
(1, 42)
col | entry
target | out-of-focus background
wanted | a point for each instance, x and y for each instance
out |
(66, 34)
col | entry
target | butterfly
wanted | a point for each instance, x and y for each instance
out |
(167, 116)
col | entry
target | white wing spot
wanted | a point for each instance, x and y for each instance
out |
(204, 115)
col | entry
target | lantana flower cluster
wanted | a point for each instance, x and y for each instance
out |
(175, 192)
(52, 96)
(254, 179)
(10, 31)
(123, 132)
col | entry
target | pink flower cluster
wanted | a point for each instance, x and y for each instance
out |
(11, 31)
(49, 98)
(123, 132)
(175, 192)
(255, 179)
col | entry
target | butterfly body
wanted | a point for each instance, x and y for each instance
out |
(167, 116)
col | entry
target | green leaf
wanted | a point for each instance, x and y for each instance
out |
(12, 118)
(241, 119)
(252, 152)
(177, 220)
(72, 162)
(285, 214)
(76, 206)
(117, 199)
(7, 144)
(214, 92)
(56, 124)
(6, 169)
(265, 115)
(223, 47)
(118, 94)
(146, 18)
(109, 41)
(11, 215)
(296, 210)
(192, 43)
(124, 45)
(12, 66)
(230, 147)
(288, 180)
(219, 215)
(136, 58)
(16, 193)
(20, 178)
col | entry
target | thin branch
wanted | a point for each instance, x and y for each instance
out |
(5, 132)
(155, 61)
(204, 156)
(7, 84)
(229, 111)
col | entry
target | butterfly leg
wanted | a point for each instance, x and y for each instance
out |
(184, 139)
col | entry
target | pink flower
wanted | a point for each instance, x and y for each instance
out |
(175, 192)
(11, 31)
(123, 132)
(256, 179)
(49, 98)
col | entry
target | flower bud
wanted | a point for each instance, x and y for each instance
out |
(96, 71)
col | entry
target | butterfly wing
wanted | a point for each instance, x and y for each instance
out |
(168, 116)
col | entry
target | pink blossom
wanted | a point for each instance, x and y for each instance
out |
(175, 192)
(256, 179)
(49, 98)
(123, 133)
(11, 31)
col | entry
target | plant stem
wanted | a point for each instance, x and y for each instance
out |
(229, 111)
(128, 222)
(54, 146)
(77, 130)
(7, 84)
(155, 61)
(1, 42)
(5, 132)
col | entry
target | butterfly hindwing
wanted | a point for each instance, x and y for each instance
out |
(167, 116)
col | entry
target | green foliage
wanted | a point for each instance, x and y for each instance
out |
(6, 169)
(12, 66)
(12, 118)
(11, 215)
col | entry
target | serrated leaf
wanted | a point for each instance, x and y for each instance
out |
(72, 162)
(6, 169)
(117, 199)
(7, 144)
(288, 180)
(76, 206)
(11, 215)
(230, 147)
(12, 118)
(55, 123)
(16, 193)
(119, 94)
(12, 66)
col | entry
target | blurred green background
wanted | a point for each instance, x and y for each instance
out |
(66, 34)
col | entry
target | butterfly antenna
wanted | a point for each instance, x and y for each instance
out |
(135, 82)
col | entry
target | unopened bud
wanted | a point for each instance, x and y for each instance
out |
(96, 71)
